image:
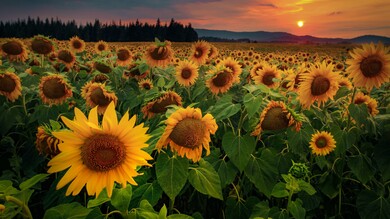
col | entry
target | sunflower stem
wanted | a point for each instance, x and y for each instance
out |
(25, 209)
(171, 205)
(349, 115)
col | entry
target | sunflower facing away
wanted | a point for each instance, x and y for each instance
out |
(369, 66)
(159, 54)
(199, 53)
(96, 94)
(53, 89)
(15, 50)
(159, 105)
(76, 44)
(124, 56)
(322, 143)
(10, 86)
(46, 143)
(187, 133)
(98, 155)
(319, 84)
(42, 45)
(66, 57)
(186, 73)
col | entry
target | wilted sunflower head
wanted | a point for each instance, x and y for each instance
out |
(97, 94)
(66, 57)
(42, 45)
(45, 143)
(159, 54)
(54, 89)
(159, 105)
(10, 86)
(15, 50)
(102, 67)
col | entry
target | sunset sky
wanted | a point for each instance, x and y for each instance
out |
(322, 18)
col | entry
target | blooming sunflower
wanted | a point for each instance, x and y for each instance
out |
(187, 133)
(266, 76)
(15, 50)
(294, 78)
(369, 66)
(322, 143)
(97, 156)
(96, 94)
(276, 116)
(76, 44)
(319, 84)
(46, 143)
(123, 56)
(186, 73)
(42, 45)
(255, 68)
(371, 103)
(101, 46)
(53, 89)
(159, 104)
(145, 84)
(345, 82)
(66, 57)
(10, 86)
(234, 66)
(200, 51)
(221, 80)
(213, 53)
(159, 54)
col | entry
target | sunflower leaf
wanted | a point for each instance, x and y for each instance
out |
(73, 210)
(238, 148)
(371, 205)
(252, 103)
(121, 198)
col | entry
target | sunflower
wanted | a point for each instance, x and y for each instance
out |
(345, 82)
(294, 78)
(134, 70)
(53, 89)
(200, 51)
(145, 84)
(319, 84)
(15, 50)
(46, 143)
(255, 68)
(266, 76)
(101, 46)
(159, 54)
(102, 67)
(10, 86)
(159, 104)
(186, 73)
(277, 116)
(98, 155)
(213, 53)
(322, 143)
(221, 80)
(123, 56)
(42, 45)
(369, 66)
(76, 44)
(187, 133)
(66, 57)
(371, 103)
(234, 66)
(96, 94)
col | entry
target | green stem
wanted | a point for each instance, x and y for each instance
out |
(113, 212)
(188, 89)
(171, 205)
(26, 210)
(340, 191)
(290, 194)
(349, 115)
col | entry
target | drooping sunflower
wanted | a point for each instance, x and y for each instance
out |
(159, 104)
(15, 50)
(234, 66)
(10, 86)
(187, 133)
(369, 66)
(66, 57)
(76, 44)
(98, 155)
(159, 54)
(46, 144)
(102, 67)
(145, 84)
(199, 52)
(54, 89)
(42, 45)
(124, 56)
(96, 94)
(266, 76)
(319, 84)
(101, 46)
(186, 73)
(322, 143)
(277, 116)
(221, 80)
(372, 104)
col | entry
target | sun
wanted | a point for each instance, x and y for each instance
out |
(300, 23)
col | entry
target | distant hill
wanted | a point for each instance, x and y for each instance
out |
(263, 36)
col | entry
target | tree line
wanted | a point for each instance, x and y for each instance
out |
(95, 31)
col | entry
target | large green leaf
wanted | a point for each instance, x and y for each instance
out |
(6, 187)
(226, 171)
(73, 210)
(32, 181)
(263, 171)
(298, 142)
(236, 209)
(279, 190)
(344, 139)
(121, 198)
(149, 191)
(329, 184)
(252, 103)
(382, 154)
(370, 205)
(224, 108)
(102, 198)
(172, 173)
(238, 148)
(361, 166)
(206, 180)
(296, 209)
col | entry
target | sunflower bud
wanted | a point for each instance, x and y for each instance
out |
(299, 170)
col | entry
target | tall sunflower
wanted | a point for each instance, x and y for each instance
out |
(42, 45)
(186, 73)
(322, 143)
(54, 89)
(266, 76)
(369, 66)
(199, 52)
(187, 133)
(319, 84)
(159, 54)
(15, 50)
(96, 94)
(10, 86)
(124, 56)
(98, 155)
(159, 104)
(76, 44)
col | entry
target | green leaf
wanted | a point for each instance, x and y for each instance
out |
(102, 198)
(370, 205)
(238, 148)
(160, 82)
(32, 181)
(73, 210)
(344, 139)
(6, 187)
(149, 191)
(252, 103)
(305, 186)
(329, 184)
(362, 168)
(382, 154)
(279, 190)
(226, 170)
(260, 210)
(236, 209)
(95, 214)
(179, 216)
(296, 209)
(224, 108)
(263, 171)
(171, 174)
(206, 180)
(298, 142)
(163, 212)
(121, 198)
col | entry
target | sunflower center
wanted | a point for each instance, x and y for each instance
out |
(198, 52)
(267, 78)
(321, 142)
(101, 47)
(123, 55)
(41, 46)
(222, 79)
(77, 44)
(146, 86)
(186, 73)
(320, 85)
(12, 48)
(7, 84)
(54, 88)
(65, 56)
(188, 133)
(159, 53)
(103, 152)
(97, 96)
(371, 66)
(275, 119)
(160, 106)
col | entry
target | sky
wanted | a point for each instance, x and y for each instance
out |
(322, 18)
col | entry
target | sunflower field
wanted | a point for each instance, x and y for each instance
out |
(193, 130)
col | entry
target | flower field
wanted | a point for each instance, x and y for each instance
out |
(193, 130)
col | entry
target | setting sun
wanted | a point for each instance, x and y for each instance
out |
(300, 23)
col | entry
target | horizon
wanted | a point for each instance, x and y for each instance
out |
(319, 18)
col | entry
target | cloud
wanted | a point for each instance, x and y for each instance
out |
(268, 5)
(335, 13)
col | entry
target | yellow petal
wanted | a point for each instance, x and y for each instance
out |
(93, 116)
